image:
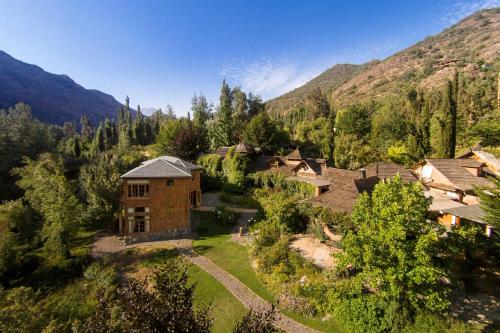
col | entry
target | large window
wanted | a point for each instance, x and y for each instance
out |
(139, 224)
(138, 190)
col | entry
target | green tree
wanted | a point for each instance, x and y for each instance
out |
(490, 202)
(138, 127)
(166, 305)
(222, 131)
(50, 194)
(447, 124)
(100, 140)
(240, 108)
(354, 120)
(21, 136)
(86, 129)
(394, 251)
(100, 181)
(262, 132)
(351, 152)
(201, 114)
(179, 137)
(235, 168)
(255, 105)
(317, 104)
(487, 130)
(331, 137)
(77, 150)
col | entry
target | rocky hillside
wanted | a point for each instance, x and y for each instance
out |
(53, 98)
(468, 45)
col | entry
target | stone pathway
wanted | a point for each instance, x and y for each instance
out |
(244, 294)
(109, 244)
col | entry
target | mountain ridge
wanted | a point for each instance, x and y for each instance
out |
(472, 42)
(54, 98)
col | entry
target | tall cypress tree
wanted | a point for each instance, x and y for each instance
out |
(77, 151)
(418, 138)
(85, 128)
(201, 114)
(224, 123)
(448, 123)
(425, 127)
(138, 127)
(100, 143)
(331, 136)
(108, 134)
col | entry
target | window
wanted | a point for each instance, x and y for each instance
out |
(139, 225)
(170, 182)
(140, 209)
(138, 191)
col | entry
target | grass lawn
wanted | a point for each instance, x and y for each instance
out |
(226, 309)
(213, 241)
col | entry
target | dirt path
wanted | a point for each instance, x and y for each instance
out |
(313, 250)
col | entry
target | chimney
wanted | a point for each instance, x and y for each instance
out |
(362, 173)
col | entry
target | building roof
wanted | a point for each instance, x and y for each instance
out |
(346, 185)
(163, 167)
(294, 155)
(454, 170)
(490, 160)
(385, 170)
(470, 212)
(314, 181)
(243, 148)
(440, 200)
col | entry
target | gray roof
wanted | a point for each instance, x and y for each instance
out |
(385, 170)
(471, 212)
(163, 167)
(454, 170)
(440, 200)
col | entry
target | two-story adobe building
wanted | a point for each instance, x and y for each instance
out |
(157, 197)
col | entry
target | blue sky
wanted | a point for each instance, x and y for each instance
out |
(162, 52)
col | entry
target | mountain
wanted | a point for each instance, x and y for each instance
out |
(468, 45)
(53, 98)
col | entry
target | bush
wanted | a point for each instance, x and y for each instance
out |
(277, 181)
(225, 217)
(257, 322)
(315, 228)
(268, 234)
(275, 255)
(213, 177)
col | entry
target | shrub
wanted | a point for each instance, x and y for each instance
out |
(277, 181)
(224, 216)
(315, 228)
(275, 255)
(257, 322)
(268, 234)
(213, 177)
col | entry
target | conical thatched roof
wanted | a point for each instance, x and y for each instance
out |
(243, 148)
(294, 155)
